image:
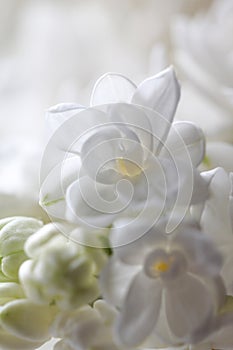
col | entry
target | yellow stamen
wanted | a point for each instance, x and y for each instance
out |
(127, 168)
(160, 266)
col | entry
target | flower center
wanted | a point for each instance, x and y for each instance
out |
(167, 266)
(160, 266)
(127, 168)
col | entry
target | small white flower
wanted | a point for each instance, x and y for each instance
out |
(123, 154)
(165, 285)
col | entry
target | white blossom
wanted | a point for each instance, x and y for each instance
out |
(165, 285)
(124, 142)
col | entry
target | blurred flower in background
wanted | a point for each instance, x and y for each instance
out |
(204, 54)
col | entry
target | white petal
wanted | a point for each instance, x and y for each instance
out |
(136, 120)
(92, 203)
(115, 279)
(185, 137)
(58, 114)
(132, 240)
(112, 88)
(160, 93)
(202, 254)
(140, 311)
(69, 137)
(99, 153)
(184, 187)
(216, 218)
(197, 210)
(200, 188)
(188, 306)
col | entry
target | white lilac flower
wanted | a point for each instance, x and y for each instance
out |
(121, 155)
(59, 271)
(166, 286)
(216, 219)
(221, 335)
(203, 53)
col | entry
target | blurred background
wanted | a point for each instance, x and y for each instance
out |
(52, 51)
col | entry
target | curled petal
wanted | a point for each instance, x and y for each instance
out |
(188, 138)
(58, 114)
(160, 93)
(99, 153)
(216, 214)
(93, 203)
(134, 122)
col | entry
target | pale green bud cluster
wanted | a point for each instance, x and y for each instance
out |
(23, 324)
(42, 274)
(13, 234)
(60, 272)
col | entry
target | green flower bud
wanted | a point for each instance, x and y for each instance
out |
(45, 237)
(11, 263)
(26, 320)
(10, 291)
(69, 281)
(14, 233)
